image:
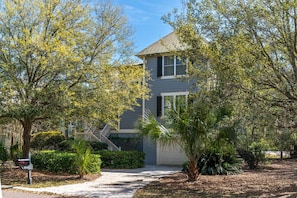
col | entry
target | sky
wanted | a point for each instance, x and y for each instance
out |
(145, 18)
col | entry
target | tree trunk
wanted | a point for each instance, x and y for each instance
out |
(192, 169)
(27, 126)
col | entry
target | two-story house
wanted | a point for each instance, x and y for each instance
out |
(166, 86)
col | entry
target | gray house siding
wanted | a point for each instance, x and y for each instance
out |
(150, 150)
(160, 85)
(129, 118)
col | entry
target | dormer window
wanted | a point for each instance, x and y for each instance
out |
(171, 66)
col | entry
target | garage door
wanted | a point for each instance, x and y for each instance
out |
(170, 154)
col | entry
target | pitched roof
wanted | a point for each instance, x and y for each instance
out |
(168, 43)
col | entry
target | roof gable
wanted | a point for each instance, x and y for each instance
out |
(168, 43)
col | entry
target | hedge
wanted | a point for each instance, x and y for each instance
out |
(46, 140)
(58, 162)
(121, 159)
(65, 145)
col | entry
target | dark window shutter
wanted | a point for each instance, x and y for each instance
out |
(159, 106)
(159, 66)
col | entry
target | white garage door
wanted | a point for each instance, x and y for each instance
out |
(170, 155)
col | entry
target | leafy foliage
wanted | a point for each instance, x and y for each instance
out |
(122, 159)
(66, 145)
(64, 59)
(219, 161)
(46, 140)
(62, 162)
(3, 153)
(15, 152)
(197, 127)
(255, 153)
(243, 50)
(83, 157)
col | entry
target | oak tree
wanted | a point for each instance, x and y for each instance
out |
(59, 59)
(246, 51)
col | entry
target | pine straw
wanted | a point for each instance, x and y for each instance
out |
(277, 179)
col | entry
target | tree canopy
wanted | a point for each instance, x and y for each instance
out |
(246, 52)
(61, 58)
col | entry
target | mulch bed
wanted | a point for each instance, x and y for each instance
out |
(18, 177)
(276, 179)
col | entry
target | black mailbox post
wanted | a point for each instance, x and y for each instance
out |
(26, 164)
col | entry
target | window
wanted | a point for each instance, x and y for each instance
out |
(167, 101)
(170, 66)
(180, 66)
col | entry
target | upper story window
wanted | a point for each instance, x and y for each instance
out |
(167, 101)
(171, 66)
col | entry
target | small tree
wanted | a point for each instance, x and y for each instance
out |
(191, 127)
(82, 157)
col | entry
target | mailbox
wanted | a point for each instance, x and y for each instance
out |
(26, 164)
(23, 162)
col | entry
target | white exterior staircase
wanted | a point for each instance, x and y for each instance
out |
(101, 135)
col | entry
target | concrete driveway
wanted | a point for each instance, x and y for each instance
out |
(112, 183)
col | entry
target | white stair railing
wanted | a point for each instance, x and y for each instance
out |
(106, 130)
(90, 132)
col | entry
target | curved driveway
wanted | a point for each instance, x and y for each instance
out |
(112, 183)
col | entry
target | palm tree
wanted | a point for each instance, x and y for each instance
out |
(190, 126)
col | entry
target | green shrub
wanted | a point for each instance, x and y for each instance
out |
(46, 140)
(3, 153)
(58, 162)
(220, 159)
(97, 146)
(122, 159)
(82, 157)
(15, 152)
(66, 145)
(216, 163)
(254, 154)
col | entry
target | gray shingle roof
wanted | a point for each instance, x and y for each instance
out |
(168, 43)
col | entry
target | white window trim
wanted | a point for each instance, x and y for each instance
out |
(174, 68)
(185, 93)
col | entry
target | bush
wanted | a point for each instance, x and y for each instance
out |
(3, 153)
(216, 163)
(66, 145)
(97, 146)
(46, 140)
(82, 157)
(62, 162)
(221, 159)
(122, 159)
(15, 152)
(254, 154)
